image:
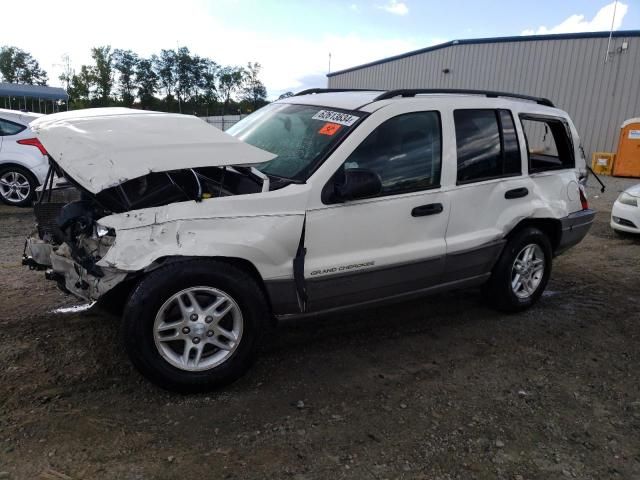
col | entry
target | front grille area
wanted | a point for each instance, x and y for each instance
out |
(46, 216)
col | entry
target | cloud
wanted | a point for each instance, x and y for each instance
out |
(354, 7)
(395, 7)
(578, 22)
(289, 61)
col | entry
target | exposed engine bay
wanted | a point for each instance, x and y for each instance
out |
(69, 241)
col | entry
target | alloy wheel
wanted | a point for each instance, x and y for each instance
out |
(527, 271)
(14, 187)
(198, 328)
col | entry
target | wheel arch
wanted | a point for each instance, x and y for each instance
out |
(551, 227)
(14, 164)
(241, 263)
(115, 299)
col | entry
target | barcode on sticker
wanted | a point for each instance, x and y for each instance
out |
(335, 117)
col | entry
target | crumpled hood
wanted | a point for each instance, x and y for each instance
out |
(100, 148)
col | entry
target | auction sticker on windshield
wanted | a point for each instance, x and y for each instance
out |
(335, 117)
(329, 129)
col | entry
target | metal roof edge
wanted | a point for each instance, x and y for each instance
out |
(32, 91)
(474, 41)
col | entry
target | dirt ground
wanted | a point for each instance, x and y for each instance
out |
(442, 388)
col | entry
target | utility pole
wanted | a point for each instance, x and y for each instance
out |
(329, 62)
(613, 19)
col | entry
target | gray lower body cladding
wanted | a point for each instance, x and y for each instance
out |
(455, 270)
(333, 292)
(574, 228)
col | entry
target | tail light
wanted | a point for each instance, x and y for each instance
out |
(34, 142)
(583, 198)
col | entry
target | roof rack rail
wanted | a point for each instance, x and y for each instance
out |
(491, 94)
(335, 90)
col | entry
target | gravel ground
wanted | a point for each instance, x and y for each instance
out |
(442, 388)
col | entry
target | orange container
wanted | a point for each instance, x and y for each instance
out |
(628, 154)
(602, 162)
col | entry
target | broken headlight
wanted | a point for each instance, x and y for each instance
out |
(101, 231)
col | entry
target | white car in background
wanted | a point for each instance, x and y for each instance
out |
(23, 160)
(625, 214)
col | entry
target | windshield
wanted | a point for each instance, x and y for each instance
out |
(300, 136)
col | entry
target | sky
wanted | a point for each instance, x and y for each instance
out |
(291, 39)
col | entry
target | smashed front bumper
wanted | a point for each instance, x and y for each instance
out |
(71, 277)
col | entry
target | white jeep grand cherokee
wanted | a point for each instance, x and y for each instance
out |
(320, 202)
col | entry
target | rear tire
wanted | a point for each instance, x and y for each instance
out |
(522, 271)
(17, 186)
(214, 345)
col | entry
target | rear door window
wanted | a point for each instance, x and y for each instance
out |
(10, 128)
(549, 145)
(487, 145)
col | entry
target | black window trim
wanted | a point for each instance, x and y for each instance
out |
(496, 112)
(22, 128)
(325, 195)
(535, 117)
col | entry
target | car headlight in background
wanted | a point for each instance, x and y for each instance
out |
(628, 199)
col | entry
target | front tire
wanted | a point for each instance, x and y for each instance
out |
(194, 325)
(522, 271)
(17, 186)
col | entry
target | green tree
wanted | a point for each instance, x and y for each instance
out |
(207, 82)
(18, 66)
(80, 88)
(253, 90)
(147, 81)
(186, 72)
(103, 74)
(229, 82)
(165, 68)
(125, 62)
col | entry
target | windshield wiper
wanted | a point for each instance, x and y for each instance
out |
(284, 179)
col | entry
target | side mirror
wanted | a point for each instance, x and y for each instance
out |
(358, 183)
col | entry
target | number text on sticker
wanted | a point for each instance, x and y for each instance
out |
(335, 117)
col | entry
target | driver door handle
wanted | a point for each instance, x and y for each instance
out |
(424, 210)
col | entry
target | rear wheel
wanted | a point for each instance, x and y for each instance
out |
(522, 272)
(194, 325)
(17, 186)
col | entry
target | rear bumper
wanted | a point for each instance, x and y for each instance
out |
(574, 228)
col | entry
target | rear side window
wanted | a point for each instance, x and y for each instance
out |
(487, 145)
(405, 151)
(549, 145)
(10, 128)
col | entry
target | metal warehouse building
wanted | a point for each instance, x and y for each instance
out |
(596, 79)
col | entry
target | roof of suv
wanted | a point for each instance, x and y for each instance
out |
(364, 99)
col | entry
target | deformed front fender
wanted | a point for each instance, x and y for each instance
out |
(269, 242)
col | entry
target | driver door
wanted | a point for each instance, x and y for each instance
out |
(390, 243)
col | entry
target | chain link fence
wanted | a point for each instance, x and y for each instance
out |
(224, 122)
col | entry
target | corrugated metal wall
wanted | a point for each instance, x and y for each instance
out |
(570, 72)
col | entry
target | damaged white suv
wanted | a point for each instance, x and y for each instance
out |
(319, 202)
